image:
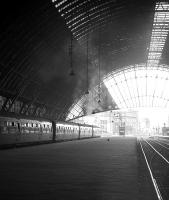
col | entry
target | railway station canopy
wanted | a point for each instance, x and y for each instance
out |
(62, 59)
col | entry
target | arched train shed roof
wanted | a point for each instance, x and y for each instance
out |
(35, 61)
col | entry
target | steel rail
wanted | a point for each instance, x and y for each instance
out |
(157, 152)
(160, 144)
(152, 177)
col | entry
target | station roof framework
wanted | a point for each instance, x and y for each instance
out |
(143, 85)
(139, 86)
(159, 33)
(35, 60)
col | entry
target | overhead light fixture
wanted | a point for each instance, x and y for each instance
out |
(72, 73)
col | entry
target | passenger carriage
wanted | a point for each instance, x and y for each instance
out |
(19, 130)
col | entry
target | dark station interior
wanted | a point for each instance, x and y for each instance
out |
(84, 100)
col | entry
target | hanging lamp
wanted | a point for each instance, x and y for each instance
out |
(99, 84)
(72, 73)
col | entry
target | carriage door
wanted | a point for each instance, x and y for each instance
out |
(18, 131)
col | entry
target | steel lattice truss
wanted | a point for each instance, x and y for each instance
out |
(34, 58)
(24, 54)
(159, 33)
(81, 15)
(142, 85)
(91, 103)
(86, 16)
(139, 86)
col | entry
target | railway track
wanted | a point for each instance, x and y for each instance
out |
(156, 154)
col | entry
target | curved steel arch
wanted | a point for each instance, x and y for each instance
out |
(29, 43)
(133, 86)
(139, 86)
(79, 14)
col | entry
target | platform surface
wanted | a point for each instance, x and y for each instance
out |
(94, 169)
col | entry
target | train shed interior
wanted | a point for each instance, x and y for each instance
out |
(84, 88)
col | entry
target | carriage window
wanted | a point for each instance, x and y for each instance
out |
(32, 124)
(36, 125)
(26, 124)
(13, 123)
(8, 123)
(44, 125)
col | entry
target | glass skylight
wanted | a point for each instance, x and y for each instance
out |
(77, 109)
(86, 104)
(145, 85)
(139, 86)
(159, 33)
(77, 16)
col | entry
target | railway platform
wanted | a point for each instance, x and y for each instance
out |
(91, 169)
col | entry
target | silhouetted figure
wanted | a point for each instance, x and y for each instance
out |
(108, 139)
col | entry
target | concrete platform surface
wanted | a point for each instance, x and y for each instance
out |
(94, 169)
